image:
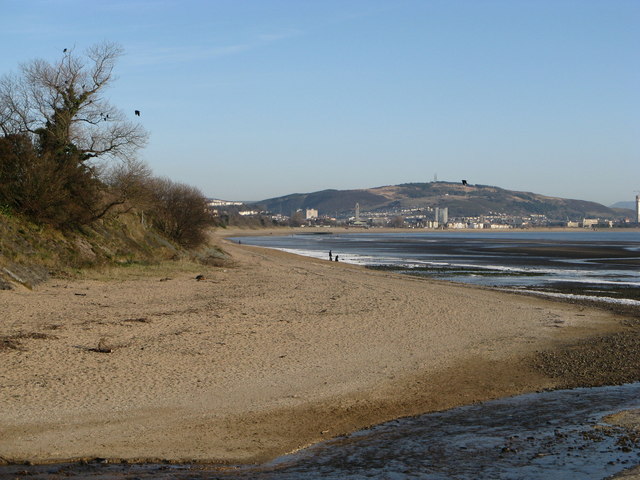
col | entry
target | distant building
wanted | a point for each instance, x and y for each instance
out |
(442, 215)
(638, 208)
(457, 225)
(222, 203)
(311, 213)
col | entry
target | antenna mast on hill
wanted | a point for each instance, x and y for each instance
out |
(435, 177)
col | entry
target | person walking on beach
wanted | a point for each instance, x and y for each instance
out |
(330, 255)
(336, 258)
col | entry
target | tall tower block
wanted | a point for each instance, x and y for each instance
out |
(638, 208)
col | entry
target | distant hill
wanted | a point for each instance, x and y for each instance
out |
(628, 205)
(469, 200)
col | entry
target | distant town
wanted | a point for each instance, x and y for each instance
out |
(239, 213)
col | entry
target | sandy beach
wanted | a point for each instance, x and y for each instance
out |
(262, 356)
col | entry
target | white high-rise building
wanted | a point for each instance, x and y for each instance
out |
(442, 215)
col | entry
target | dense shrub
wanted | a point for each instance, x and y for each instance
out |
(52, 189)
(179, 211)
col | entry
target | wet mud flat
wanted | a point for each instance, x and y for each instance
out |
(519, 253)
(552, 435)
(611, 287)
(609, 291)
(514, 249)
(600, 360)
(622, 253)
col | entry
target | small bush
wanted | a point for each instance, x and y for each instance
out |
(6, 210)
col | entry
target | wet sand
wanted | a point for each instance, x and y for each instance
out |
(263, 356)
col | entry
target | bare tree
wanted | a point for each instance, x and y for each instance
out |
(130, 182)
(62, 104)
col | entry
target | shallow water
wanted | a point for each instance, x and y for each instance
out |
(552, 435)
(548, 435)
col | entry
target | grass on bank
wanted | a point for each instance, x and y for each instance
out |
(117, 247)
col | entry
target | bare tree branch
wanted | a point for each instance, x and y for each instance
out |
(64, 101)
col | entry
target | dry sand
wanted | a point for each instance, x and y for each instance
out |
(259, 358)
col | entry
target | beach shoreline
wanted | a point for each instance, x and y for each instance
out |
(264, 356)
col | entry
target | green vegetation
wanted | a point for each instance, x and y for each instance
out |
(71, 189)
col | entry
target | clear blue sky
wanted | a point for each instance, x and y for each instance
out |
(250, 99)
